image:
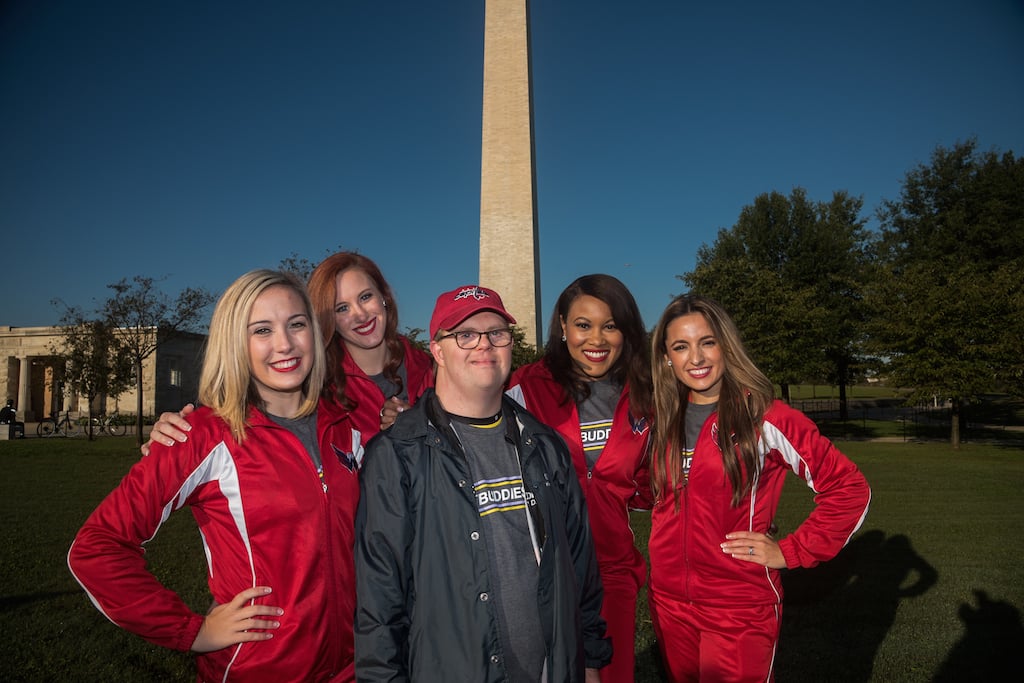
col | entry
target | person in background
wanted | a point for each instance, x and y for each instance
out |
(722, 446)
(270, 473)
(373, 371)
(593, 386)
(474, 557)
(9, 416)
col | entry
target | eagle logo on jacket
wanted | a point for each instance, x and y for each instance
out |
(638, 424)
(354, 460)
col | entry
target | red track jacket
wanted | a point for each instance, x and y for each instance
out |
(266, 519)
(367, 396)
(687, 563)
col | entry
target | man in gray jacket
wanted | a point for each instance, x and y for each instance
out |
(474, 560)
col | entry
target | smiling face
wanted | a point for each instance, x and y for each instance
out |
(470, 381)
(281, 348)
(591, 336)
(359, 311)
(696, 356)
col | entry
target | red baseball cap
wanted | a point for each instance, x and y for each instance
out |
(455, 306)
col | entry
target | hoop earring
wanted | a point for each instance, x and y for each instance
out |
(670, 363)
(563, 337)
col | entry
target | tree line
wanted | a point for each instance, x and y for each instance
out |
(933, 300)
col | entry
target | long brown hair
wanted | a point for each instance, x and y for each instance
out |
(322, 290)
(745, 397)
(633, 366)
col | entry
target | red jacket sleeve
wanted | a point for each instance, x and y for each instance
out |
(108, 558)
(842, 495)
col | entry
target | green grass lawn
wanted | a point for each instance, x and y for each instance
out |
(931, 589)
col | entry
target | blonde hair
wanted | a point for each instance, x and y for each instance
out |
(745, 397)
(226, 384)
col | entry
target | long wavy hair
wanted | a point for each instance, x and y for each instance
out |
(745, 397)
(226, 381)
(633, 364)
(323, 290)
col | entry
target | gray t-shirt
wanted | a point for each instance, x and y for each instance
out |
(389, 388)
(696, 415)
(305, 429)
(596, 413)
(501, 500)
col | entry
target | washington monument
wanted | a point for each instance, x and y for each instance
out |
(509, 252)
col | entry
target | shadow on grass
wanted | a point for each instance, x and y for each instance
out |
(836, 615)
(11, 602)
(994, 636)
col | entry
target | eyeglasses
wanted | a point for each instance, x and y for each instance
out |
(470, 339)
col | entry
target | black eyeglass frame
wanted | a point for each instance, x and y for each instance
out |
(479, 335)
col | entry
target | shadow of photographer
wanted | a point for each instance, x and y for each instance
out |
(994, 636)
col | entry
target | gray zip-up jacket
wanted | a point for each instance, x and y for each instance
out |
(423, 610)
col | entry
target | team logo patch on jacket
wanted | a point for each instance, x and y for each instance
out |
(638, 425)
(350, 461)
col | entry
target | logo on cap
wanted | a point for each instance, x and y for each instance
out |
(471, 292)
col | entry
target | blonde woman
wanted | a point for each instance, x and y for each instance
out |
(722, 446)
(270, 473)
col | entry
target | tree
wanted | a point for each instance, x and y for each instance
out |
(145, 318)
(790, 272)
(302, 267)
(93, 367)
(839, 266)
(522, 351)
(948, 288)
(413, 335)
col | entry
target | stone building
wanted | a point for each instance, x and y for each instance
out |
(32, 375)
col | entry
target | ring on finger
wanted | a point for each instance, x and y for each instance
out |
(751, 550)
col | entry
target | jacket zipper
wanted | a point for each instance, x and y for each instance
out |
(332, 599)
(686, 536)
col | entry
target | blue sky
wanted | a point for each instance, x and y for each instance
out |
(195, 140)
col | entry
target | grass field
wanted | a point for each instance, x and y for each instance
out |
(931, 589)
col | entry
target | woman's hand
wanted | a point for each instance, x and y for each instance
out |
(235, 622)
(170, 428)
(749, 546)
(392, 407)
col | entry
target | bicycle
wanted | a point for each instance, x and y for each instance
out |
(111, 424)
(57, 425)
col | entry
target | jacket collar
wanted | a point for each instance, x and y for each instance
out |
(428, 414)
